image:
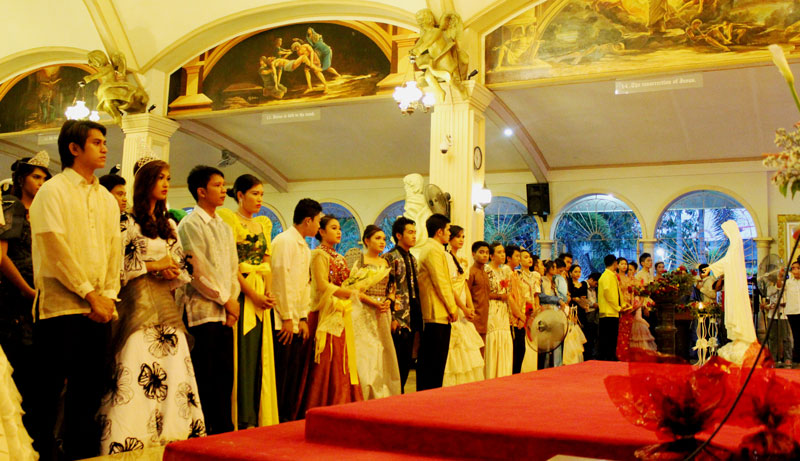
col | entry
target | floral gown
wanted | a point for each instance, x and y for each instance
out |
(153, 399)
(499, 350)
(256, 397)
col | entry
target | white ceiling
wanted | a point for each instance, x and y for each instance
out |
(734, 115)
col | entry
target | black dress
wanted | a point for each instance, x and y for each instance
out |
(576, 292)
(16, 311)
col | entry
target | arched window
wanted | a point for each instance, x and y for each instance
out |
(351, 234)
(387, 217)
(277, 227)
(594, 226)
(507, 221)
(689, 231)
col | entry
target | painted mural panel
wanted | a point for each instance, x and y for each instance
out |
(40, 99)
(565, 38)
(296, 63)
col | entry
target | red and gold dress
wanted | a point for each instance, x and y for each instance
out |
(626, 318)
(333, 378)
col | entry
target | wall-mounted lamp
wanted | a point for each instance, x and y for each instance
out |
(481, 198)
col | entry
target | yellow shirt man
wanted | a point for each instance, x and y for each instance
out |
(609, 296)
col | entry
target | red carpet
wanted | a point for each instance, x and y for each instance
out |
(530, 416)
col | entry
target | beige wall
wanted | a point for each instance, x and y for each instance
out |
(647, 189)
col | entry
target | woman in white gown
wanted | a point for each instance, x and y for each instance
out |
(154, 397)
(531, 279)
(378, 371)
(464, 361)
(499, 347)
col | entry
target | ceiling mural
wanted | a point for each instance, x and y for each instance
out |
(38, 100)
(296, 63)
(566, 38)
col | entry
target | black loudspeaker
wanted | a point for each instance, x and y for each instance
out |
(539, 199)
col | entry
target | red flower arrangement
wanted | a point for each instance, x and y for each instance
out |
(676, 404)
(504, 283)
(674, 284)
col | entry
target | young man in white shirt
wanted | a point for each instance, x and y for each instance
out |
(211, 300)
(291, 284)
(791, 297)
(77, 253)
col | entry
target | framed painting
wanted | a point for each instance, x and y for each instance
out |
(787, 225)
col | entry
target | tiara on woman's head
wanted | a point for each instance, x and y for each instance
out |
(42, 159)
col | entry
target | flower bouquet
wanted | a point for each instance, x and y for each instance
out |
(672, 286)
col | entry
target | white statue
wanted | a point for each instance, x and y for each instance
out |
(416, 207)
(738, 313)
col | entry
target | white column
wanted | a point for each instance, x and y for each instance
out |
(461, 120)
(545, 249)
(763, 245)
(145, 134)
(649, 246)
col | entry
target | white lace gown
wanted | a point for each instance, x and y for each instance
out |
(464, 361)
(15, 443)
(499, 352)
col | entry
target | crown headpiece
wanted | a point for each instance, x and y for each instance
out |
(144, 160)
(41, 159)
(146, 157)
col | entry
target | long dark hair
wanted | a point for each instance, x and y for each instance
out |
(145, 180)
(454, 231)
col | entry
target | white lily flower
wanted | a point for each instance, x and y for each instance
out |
(780, 61)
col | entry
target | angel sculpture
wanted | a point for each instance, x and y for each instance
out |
(437, 52)
(115, 92)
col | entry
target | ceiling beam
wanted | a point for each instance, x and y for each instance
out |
(245, 155)
(18, 151)
(502, 116)
(111, 30)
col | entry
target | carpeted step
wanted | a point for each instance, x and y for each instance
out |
(284, 442)
(528, 416)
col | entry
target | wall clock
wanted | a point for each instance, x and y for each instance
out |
(477, 158)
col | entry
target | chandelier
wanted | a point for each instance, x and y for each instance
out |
(409, 96)
(78, 109)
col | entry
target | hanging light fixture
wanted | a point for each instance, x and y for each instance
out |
(410, 97)
(78, 109)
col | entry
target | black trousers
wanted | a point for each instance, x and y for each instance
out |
(71, 350)
(289, 370)
(519, 348)
(212, 357)
(607, 342)
(403, 339)
(794, 324)
(433, 355)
